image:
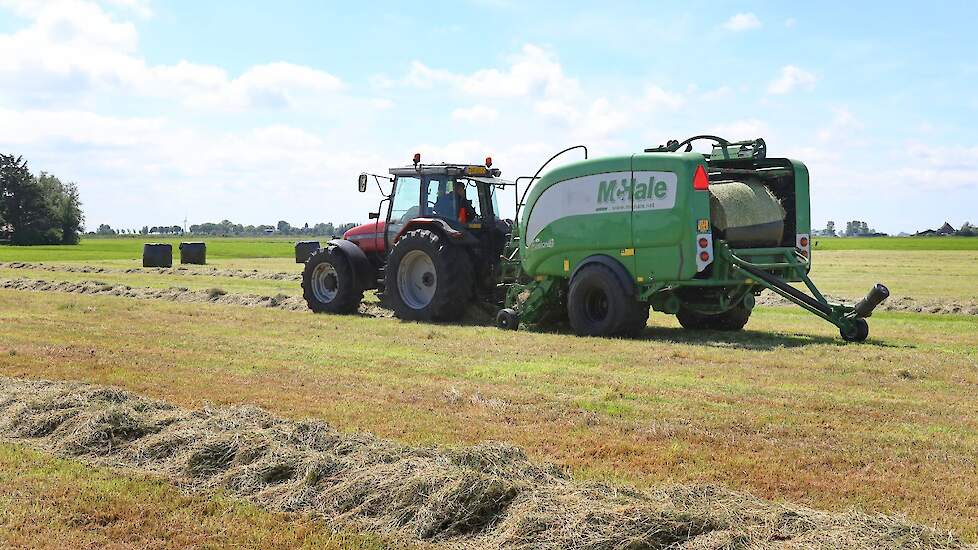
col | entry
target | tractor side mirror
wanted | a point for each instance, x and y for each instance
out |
(362, 183)
(373, 215)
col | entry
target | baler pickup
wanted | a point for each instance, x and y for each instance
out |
(849, 319)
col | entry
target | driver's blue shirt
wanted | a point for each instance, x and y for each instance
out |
(445, 206)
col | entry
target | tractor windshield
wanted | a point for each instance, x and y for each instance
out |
(452, 198)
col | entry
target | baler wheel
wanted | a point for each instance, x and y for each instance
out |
(507, 319)
(598, 305)
(731, 320)
(859, 332)
(638, 321)
(329, 284)
(428, 278)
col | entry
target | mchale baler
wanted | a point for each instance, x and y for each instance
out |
(599, 242)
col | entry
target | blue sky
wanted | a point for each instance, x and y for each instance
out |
(260, 111)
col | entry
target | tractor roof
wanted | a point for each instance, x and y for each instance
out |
(443, 169)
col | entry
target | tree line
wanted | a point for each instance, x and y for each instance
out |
(37, 209)
(229, 228)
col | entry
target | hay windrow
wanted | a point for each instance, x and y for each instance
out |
(253, 274)
(485, 496)
(475, 314)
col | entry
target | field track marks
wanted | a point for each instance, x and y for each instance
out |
(485, 496)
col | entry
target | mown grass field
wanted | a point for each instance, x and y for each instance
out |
(784, 410)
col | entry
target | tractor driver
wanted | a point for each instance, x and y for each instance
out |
(455, 205)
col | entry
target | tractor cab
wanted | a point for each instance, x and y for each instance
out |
(459, 197)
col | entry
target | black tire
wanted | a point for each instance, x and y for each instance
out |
(859, 332)
(598, 305)
(638, 322)
(731, 320)
(325, 268)
(507, 319)
(452, 278)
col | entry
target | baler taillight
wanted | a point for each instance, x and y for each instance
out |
(704, 251)
(701, 181)
(803, 243)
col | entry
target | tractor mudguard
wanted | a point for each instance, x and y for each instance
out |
(614, 265)
(362, 269)
(442, 227)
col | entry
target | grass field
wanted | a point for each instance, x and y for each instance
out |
(784, 410)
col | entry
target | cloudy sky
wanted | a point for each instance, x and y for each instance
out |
(260, 111)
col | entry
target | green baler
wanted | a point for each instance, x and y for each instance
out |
(600, 241)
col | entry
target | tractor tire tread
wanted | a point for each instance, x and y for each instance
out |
(452, 265)
(349, 294)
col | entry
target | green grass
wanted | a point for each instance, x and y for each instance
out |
(47, 502)
(896, 243)
(784, 410)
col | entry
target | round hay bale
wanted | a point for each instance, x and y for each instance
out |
(193, 253)
(304, 249)
(746, 213)
(157, 255)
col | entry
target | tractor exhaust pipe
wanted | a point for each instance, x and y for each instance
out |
(874, 298)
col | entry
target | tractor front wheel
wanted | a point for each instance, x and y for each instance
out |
(428, 278)
(730, 320)
(329, 284)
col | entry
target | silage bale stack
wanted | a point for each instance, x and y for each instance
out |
(157, 255)
(746, 213)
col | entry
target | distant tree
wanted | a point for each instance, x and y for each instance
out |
(967, 230)
(105, 229)
(144, 230)
(29, 205)
(830, 229)
(284, 227)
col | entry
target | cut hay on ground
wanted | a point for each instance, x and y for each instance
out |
(487, 496)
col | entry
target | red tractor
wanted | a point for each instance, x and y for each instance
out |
(433, 252)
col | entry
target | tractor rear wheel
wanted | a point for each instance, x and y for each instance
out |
(597, 305)
(428, 278)
(329, 284)
(731, 320)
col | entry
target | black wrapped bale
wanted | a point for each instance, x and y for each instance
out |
(304, 249)
(157, 255)
(193, 253)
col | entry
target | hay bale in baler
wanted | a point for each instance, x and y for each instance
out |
(304, 249)
(193, 253)
(746, 213)
(157, 255)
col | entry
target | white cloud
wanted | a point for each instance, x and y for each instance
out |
(532, 72)
(742, 22)
(657, 98)
(742, 129)
(841, 128)
(476, 114)
(72, 49)
(791, 78)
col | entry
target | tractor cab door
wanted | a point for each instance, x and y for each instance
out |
(405, 206)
